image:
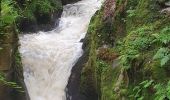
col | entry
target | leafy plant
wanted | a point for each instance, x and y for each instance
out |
(163, 36)
(126, 58)
(162, 91)
(136, 42)
(102, 65)
(163, 54)
(131, 13)
(8, 13)
(10, 84)
(40, 6)
(139, 89)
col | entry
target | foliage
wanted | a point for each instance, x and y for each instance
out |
(162, 91)
(10, 84)
(139, 89)
(147, 42)
(163, 36)
(8, 13)
(40, 6)
(163, 54)
(137, 41)
(130, 13)
(102, 66)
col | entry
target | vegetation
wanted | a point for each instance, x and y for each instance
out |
(128, 47)
(31, 7)
(139, 39)
(10, 84)
(13, 12)
(9, 15)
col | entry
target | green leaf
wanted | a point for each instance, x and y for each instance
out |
(160, 53)
(162, 97)
(148, 84)
(163, 54)
(165, 60)
(141, 98)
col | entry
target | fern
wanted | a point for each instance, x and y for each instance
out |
(139, 90)
(131, 13)
(163, 54)
(10, 84)
(8, 13)
(162, 91)
(136, 42)
(163, 36)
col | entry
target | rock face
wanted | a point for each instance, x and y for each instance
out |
(40, 20)
(46, 21)
(73, 87)
(10, 66)
(166, 11)
(43, 22)
(127, 20)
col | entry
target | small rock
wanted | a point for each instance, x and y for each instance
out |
(166, 11)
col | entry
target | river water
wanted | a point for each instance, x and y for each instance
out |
(48, 57)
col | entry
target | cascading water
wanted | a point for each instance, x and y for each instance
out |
(48, 57)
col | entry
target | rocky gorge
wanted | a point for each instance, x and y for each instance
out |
(126, 52)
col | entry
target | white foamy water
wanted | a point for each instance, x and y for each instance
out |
(48, 57)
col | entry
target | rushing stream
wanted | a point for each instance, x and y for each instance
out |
(48, 57)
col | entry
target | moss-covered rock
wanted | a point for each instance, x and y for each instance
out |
(139, 33)
(39, 15)
(12, 86)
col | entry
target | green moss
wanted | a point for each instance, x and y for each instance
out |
(143, 25)
(18, 59)
(42, 7)
(88, 77)
(108, 83)
(139, 46)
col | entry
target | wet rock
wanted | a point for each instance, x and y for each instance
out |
(166, 11)
(43, 22)
(162, 3)
(167, 4)
(12, 72)
(73, 86)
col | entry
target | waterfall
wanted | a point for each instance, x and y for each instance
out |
(48, 57)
